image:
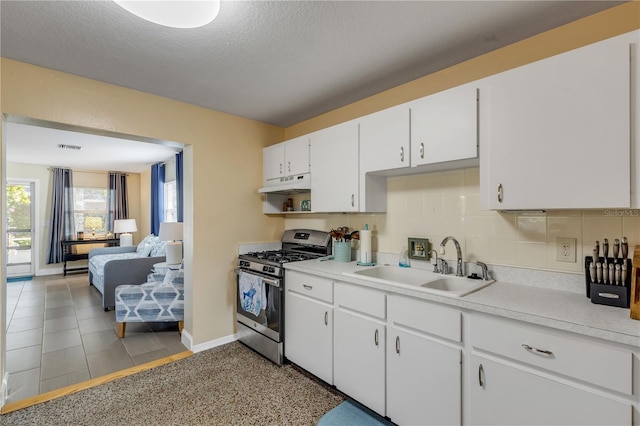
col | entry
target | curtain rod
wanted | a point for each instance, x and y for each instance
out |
(87, 171)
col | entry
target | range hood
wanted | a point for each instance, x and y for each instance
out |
(287, 185)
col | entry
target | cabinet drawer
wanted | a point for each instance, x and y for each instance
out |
(309, 285)
(426, 317)
(562, 353)
(360, 299)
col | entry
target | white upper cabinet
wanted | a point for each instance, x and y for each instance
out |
(286, 159)
(384, 140)
(554, 134)
(334, 182)
(444, 126)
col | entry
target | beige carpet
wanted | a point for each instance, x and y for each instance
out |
(228, 385)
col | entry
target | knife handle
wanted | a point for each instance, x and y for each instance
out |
(612, 275)
(605, 248)
(618, 275)
(605, 274)
(599, 272)
(592, 272)
(616, 249)
(624, 274)
(625, 247)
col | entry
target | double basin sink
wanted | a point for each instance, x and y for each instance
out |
(417, 279)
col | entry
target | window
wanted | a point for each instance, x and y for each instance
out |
(90, 202)
(170, 202)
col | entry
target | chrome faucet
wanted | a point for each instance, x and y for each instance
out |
(485, 270)
(459, 272)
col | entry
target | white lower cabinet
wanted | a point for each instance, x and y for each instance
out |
(359, 345)
(526, 374)
(423, 363)
(309, 326)
(505, 395)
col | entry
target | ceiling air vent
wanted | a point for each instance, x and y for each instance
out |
(74, 147)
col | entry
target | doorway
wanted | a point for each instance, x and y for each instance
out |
(21, 238)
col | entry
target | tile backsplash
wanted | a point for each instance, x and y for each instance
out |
(435, 205)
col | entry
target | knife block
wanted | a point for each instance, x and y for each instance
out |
(635, 285)
(607, 294)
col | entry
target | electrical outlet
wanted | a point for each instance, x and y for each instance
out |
(566, 249)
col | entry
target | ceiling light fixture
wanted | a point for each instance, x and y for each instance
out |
(176, 14)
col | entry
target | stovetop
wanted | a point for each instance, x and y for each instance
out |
(278, 256)
(297, 245)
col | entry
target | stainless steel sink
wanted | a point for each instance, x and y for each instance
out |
(418, 279)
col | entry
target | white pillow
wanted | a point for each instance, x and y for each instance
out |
(160, 249)
(146, 245)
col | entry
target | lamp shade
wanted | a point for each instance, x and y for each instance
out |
(170, 231)
(124, 225)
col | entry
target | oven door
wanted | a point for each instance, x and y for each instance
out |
(269, 319)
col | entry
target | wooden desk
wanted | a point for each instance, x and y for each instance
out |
(68, 255)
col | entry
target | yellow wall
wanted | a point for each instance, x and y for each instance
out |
(435, 205)
(612, 22)
(223, 166)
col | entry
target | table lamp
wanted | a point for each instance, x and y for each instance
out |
(93, 223)
(172, 232)
(124, 227)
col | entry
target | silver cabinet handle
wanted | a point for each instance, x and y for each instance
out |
(481, 376)
(326, 317)
(398, 345)
(402, 154)
(375, 337)
(500, 193)
(353, 200)
(537, 351)
(421, 150)
(289, 166)
(307, 287)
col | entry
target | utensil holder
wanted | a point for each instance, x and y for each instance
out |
(342, 251)
(609, 294)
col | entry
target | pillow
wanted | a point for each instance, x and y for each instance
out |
(146, 245)
(159, 249)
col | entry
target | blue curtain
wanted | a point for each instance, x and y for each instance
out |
(179, 187)
(61, 222)
(157, 197)
(118, 198)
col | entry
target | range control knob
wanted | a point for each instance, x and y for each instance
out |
(265, 268)
(272, 269)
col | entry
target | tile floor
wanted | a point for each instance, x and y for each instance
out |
(58, 334)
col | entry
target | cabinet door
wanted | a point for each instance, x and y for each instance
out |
(555, 133)
(423, 381)
(359, 359)
(444, 126)
(334, 169)
(384, 140)
(273, 161)
(309, 335)
(297, 156)
(500, 394)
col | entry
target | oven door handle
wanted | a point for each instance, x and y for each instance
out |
(275, 282)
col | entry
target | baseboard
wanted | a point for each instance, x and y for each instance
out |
(4, 390)
(187, 340)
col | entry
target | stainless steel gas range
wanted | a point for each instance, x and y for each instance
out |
(260, 287)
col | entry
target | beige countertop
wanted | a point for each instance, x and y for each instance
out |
(553, 308)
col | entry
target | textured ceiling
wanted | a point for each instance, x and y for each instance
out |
(279, 62)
